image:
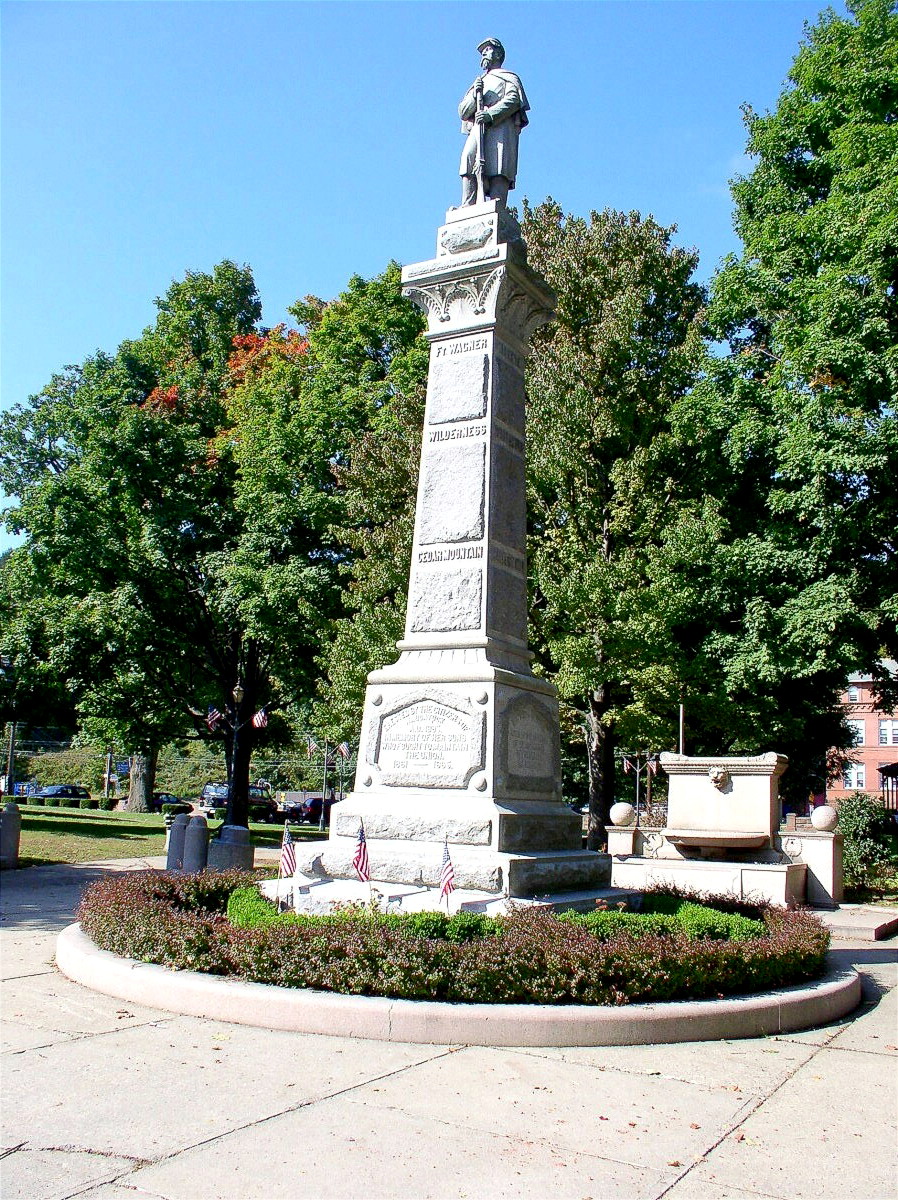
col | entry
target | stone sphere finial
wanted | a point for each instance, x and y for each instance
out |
(622, 814)
(824, 818)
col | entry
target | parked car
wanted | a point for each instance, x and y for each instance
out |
(308, 812)
(213, 795)
(262, 807)
(160, 798)
(63, 791)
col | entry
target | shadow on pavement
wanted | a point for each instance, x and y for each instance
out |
(46, 898)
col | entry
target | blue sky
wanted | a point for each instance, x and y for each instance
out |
(315, 140)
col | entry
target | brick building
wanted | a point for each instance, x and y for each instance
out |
(874, 765)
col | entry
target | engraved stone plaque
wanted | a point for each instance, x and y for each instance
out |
(441, 601)
(428, 742)
(457, 388)
(509, 515)
(528, 745)
(507, 604)
(452, 494)
(508, 394)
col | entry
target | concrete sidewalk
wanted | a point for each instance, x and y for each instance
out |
(112, 1101)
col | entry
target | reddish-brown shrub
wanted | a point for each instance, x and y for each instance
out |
(535, 958)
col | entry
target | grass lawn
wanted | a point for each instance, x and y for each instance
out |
(71, 835)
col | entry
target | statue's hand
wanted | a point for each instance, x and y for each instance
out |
(484, 118)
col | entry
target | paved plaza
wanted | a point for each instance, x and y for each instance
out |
(110, 1101)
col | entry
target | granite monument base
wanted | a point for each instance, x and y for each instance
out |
(470, 762)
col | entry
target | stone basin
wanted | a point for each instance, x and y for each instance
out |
(717, 839)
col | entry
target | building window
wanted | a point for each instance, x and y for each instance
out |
(854, 777)
(888, 733)
(854, 694)
(857, 728)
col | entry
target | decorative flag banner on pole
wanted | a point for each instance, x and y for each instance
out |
(360, 862)
(343, 749)
(213, 718)
(260, 720)
(311, 746)
(447, 875)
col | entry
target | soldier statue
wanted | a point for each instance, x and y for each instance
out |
(493, 113)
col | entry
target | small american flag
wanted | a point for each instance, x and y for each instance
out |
(213, 717)
(628, 766)
(360, 862)
(311, 746)
(653, 766)
(288, 856)
(343, 749)
(260, 720)
(447, 874)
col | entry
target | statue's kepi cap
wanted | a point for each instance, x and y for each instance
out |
(491, 42)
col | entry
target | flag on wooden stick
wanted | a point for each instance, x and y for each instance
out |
(287, 866)
(447, 874)
(360, 862)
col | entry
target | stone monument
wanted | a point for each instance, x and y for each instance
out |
(724, 834)
(460, 740)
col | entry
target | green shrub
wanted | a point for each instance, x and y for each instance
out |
(532, 955)
(608, 923)
(249, 909)
(865, 854)
(172, 810)
(107, 803)
(51, 802)
(95, 804)
(35, 801)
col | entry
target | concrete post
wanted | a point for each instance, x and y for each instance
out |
(196, 845)
(176, 836)
(10, 836)
(232, 850)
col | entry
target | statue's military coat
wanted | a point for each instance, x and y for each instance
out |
(504, 100)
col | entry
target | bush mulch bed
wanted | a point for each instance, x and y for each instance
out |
(532, 955)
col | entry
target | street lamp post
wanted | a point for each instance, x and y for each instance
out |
(238, 694)
(6, 669)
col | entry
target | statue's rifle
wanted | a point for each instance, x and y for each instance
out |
(481, 150)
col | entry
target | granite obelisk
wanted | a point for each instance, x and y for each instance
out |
(460, 740)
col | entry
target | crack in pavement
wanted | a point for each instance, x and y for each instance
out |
(86, 1037)
(752, 1108)
(343, 1091)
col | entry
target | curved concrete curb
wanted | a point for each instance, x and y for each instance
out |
(260, 1004)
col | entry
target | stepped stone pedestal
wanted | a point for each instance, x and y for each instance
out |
(460, 740)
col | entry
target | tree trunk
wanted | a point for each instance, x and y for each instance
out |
(142, 782)
(600, 757)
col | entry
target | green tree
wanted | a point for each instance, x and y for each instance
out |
(620, 535)
(179, 500)
(803, 407)
(379, 346)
